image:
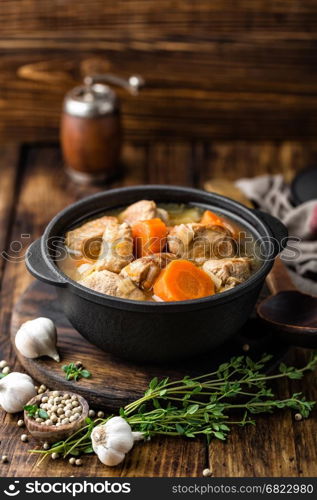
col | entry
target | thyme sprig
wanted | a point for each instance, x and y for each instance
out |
(207, 405)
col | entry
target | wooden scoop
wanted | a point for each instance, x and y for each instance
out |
(292, 313)
(52, 433)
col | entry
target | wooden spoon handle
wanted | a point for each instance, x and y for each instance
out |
(278, 279)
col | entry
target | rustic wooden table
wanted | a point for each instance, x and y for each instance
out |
(33, 188)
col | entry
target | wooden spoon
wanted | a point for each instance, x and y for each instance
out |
(292, 313)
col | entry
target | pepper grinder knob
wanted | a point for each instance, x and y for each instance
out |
(132, 84)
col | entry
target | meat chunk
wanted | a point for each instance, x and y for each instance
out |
(143, 210)
(228, 273)
(116, 249)
(86, 239)
(200, 242)
(112, 284)
(144, 271)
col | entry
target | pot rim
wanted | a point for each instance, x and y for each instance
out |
(136, 305)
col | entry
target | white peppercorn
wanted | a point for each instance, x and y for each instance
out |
(4, 459)
(24, 438)
(91, 413)
(46, 446)
(3, 363)
(206, 472)
(78, 461)
(55, 456)
(100, 414)
(20, 423)
(72, 460)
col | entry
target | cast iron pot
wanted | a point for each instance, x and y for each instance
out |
(154, 331)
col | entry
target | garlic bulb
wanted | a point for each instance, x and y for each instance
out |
(112, 440)
(16, 389)
(37, 338)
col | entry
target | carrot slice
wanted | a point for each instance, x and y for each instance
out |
(149, 236)
(210, 218)
(182, 280)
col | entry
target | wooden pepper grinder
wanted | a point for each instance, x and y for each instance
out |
(91, 130)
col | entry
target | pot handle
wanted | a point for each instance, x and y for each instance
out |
(37, 267)
(277, 228)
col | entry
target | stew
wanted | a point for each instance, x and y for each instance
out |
(157, 252)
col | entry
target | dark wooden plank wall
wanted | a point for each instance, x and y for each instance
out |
(216, 69)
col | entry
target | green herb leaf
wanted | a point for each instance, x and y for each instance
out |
(75, 373)
(220, 435)
(153, 383)
(89, 449)
(192, 409)
(180, 429)
(31, 410)
(42, 414)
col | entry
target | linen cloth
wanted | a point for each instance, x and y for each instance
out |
(272, 194)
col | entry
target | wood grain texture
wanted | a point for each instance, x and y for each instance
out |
(9, 167)
(278, 445)
(215, 70)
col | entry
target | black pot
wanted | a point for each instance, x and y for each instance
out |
(155, 331)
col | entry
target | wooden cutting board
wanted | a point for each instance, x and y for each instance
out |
(116, 382)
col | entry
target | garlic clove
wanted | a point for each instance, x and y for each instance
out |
(16, 389)
(37, 337)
